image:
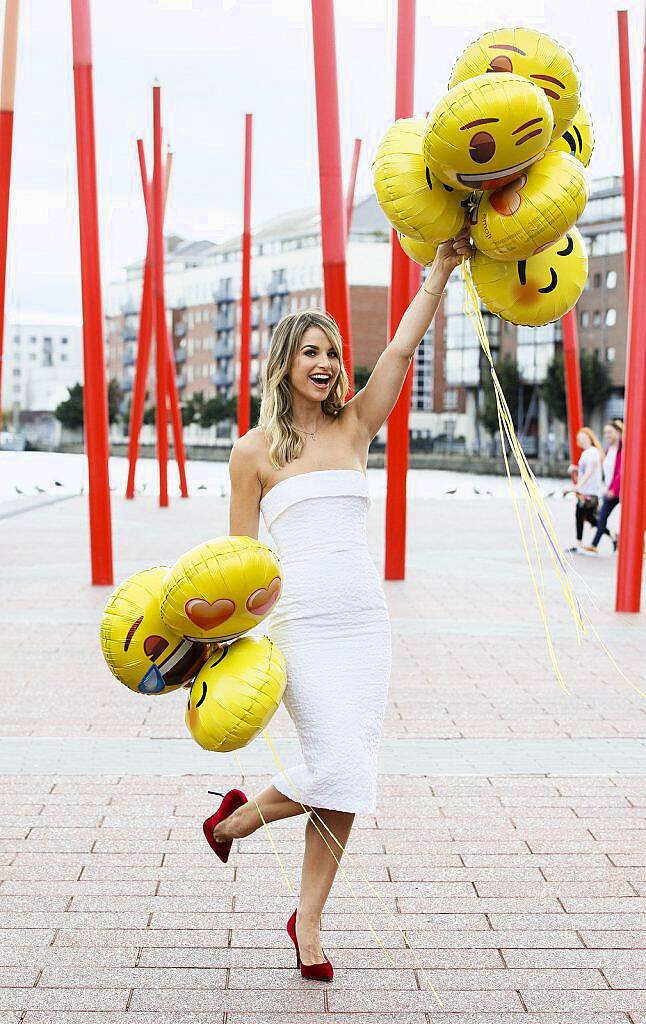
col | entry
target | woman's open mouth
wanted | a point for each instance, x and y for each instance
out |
(320, 380)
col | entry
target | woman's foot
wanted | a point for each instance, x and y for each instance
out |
(614, 537)
(309, 941)
(231, 827)
(590, 549)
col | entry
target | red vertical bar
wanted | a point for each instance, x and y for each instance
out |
(572, 369)
(401, 287)
(244, 394)
(349, 207)
(335, 282)
(161, 345)
(633, 475)
(626, 131)
(9, 51)
(95, 398)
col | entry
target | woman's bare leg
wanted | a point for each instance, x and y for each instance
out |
(317, 876)
(246, 819)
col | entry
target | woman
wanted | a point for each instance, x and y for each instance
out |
(613, 434)
(304, 467)
(588, 482)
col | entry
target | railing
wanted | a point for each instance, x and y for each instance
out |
(223, 293)
(277, 288)
(180, 355)
(179, 330)
(223, 322)
(129, 357)
(129, 334)
(222, 348)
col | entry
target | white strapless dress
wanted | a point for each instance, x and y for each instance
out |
(332, 625)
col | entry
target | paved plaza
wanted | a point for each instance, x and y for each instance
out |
(509, 843)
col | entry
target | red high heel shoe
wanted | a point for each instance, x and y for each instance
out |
(314, 972)
(232, 800)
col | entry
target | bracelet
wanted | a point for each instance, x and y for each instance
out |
(429, 292)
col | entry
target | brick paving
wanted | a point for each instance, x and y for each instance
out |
(523, 891)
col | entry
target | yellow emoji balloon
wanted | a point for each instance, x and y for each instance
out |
(236, 693)
(517, 220)
(219, 590)
(532, 55)
(421, 252)
(535, 291)
(485, 131)
(578, 139)
(141, 651)
(415, 202)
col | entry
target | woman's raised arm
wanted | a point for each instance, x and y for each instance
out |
(374, 403)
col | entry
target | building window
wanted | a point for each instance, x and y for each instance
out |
(611, 279)
(610, 354)
(596, 318)
(32, 340)
(611, 317)
(64, 357)
(450, 398)
(16, 339)
(596, 281)
(584, 318)
(16, 371)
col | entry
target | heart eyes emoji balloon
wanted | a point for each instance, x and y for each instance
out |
(221, 589)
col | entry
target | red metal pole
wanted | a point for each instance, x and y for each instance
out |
(144, 340)
(335, 282)
(95, 398)
(631, 541)
(159, 304)
(244, 394)
(349, 207)
(7, 90)
(626, 131)
(401, 282)
(572, 368)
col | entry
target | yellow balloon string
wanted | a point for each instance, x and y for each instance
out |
(535, 505)
(268, 830)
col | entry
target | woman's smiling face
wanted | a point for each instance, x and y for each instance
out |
(316, 358)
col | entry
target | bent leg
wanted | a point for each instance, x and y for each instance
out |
(246, 819)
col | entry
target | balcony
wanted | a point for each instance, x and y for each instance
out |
(223, 380)
(129, 334)
(180, 355)
(130, 308)
(274, 314)
(255, 350)
(223, 322)
(126, 386)
(181, 381)
(223, 292)
(129, 357)
(223, 349)
(255, 320)
(277, 287)
(179, 330)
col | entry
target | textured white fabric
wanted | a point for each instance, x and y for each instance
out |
(332, 625)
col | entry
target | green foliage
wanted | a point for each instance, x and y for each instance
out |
(509, 377)
(361, 375)
(596, 384)
(69, 412)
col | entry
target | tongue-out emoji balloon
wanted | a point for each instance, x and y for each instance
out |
(535, 291)
(221, 589)
(485, 131)
(141, 651)
(517, 220)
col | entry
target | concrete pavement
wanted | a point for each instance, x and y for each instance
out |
(509, 840)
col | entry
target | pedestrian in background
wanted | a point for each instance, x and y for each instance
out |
(588, 482)
(613, 433)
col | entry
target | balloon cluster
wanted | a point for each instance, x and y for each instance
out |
(504, 150)
(169, 627)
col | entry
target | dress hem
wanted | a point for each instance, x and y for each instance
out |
(278, 784)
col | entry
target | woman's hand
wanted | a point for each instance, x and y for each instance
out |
(449, 254)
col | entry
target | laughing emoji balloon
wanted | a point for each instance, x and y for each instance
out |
(535, 291)
(578, 139)
(532, 55)
(140, 649)
(219, 590)
(416, 203)
(236, 694)
(485, 131)
(517, 220)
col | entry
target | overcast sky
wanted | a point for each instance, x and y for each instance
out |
(216, 59)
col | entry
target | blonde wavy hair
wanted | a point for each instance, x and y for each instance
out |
(594, 440)
(285, 441)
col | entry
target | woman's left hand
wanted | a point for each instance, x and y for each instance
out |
(450, 254)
